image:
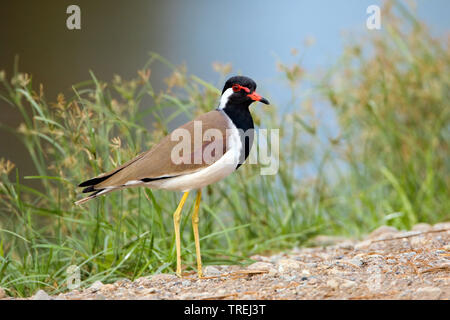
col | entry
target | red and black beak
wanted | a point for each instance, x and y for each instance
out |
(256, 97)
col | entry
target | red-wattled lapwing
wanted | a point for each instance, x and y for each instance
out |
(156, 168)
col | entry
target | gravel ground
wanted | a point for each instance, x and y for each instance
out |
(388, 264)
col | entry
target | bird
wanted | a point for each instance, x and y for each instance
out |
(197, 165)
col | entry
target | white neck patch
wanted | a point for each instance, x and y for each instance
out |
(224, 98)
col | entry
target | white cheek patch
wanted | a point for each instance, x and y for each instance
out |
(224, 98)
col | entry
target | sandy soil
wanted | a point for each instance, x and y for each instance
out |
(388, 264)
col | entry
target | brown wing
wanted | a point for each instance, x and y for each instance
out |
(157, 163)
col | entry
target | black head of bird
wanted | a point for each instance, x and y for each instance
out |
(240, 91)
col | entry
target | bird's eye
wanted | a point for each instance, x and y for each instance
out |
(236, 87)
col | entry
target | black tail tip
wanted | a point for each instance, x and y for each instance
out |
(88, 189)
(84, 184)
(92, 182)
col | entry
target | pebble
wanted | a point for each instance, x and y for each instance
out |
(149, 291)
(97, 285)
(422, 227)
(347, 245)
(144, 281)
(41, 295)
(272, 272)
(266, 266)
(163, 277)
(442, 225)
(419, 241)
(288, 265)
(408, 255)
(363, 245)
(391, 261)
(348, 284)
(406, 294)
(335, 271)
(332, 283)
(124, 282)
(376, 257)
(382, 231)
(306, 272)
(211, 271)
(107, 287)
(73, 292)
(288, 278)
(428, 293)
(223, 268)
(275, 258)
(357, 261)
(260, 258)
(410, 234)
(375, 282)
(260, 265)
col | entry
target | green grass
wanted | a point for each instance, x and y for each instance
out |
(388, 164)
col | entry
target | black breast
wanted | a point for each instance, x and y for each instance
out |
(242, 119)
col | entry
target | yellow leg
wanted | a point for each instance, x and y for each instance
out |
(196, 238)
(176, 224)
